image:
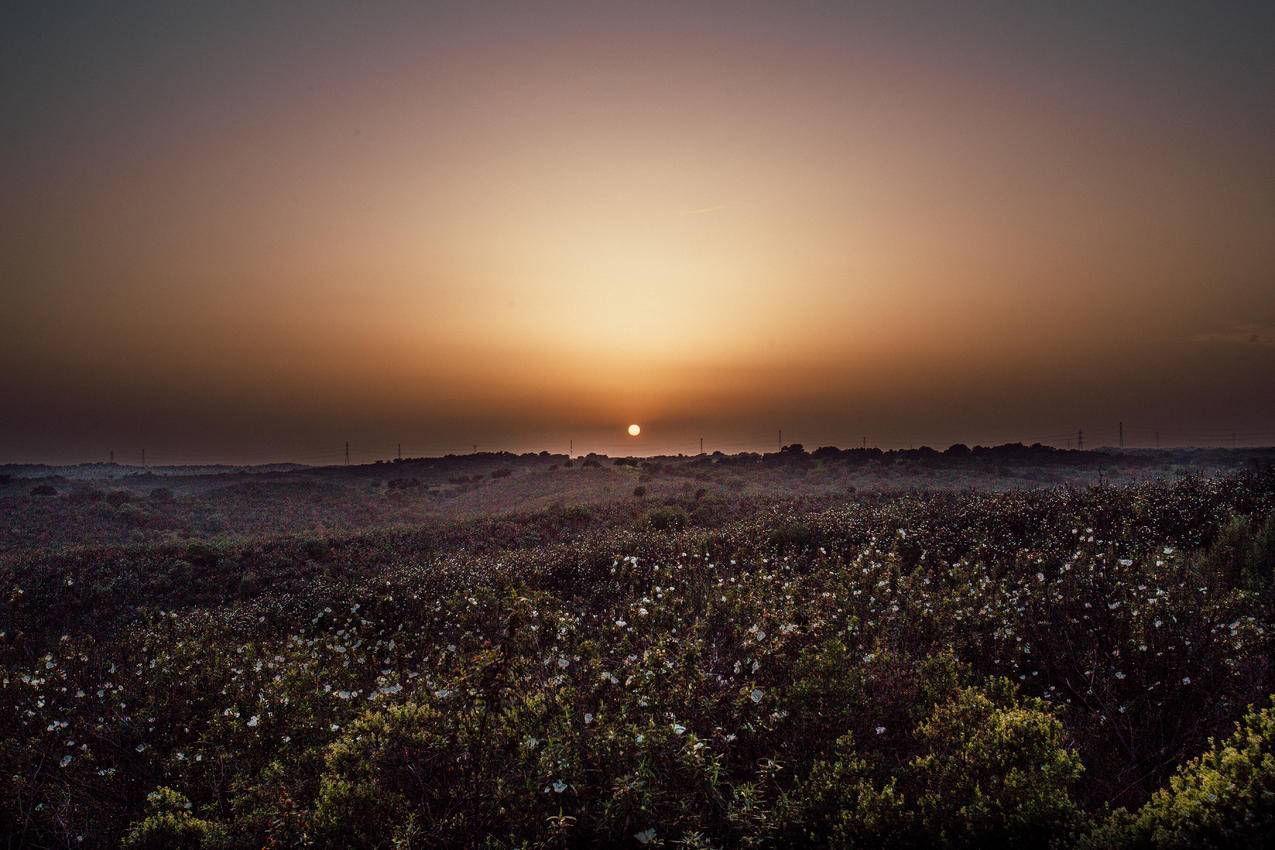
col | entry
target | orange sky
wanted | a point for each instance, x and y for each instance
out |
(238, 234)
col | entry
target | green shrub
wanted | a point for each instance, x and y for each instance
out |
(839, 805)
(1225, 558)
(1223, 799)
(168, 825)
(1259, 568)
(995, 772)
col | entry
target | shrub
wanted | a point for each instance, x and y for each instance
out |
(668, 518)
(44, 490)
(168, 825)
(839, 805)
(1259, 567)
(1243, 554)
(1223, 799)
(639, 491)
(503, 472)
(791, 533)
(1226, 557)
(996, 772)
(577, 514)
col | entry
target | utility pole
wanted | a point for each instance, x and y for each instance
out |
(475, 448)
(571, 447)
(400, 451)
(1080, 439)
(347, 452)
(781, 438)
(1121, 426)
(701, 445)
(865, 442)
(112, 457)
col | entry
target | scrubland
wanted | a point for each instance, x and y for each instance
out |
(706, 665)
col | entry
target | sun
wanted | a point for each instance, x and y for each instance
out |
(634, 430)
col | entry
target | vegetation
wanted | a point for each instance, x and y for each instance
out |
(1049, 668)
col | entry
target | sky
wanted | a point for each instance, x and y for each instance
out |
(249, 232)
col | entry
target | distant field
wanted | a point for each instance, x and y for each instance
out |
(1012, 647)
(101, 503)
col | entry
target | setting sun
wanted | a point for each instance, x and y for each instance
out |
(634, 430)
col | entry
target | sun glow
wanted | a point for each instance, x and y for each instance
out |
(634, 430)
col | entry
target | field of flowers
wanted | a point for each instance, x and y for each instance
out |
(1058, 667)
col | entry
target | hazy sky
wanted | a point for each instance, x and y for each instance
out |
(246, 231)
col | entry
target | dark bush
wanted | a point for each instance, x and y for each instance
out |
(667, 518)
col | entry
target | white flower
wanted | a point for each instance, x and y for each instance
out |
(252, 721)
(880, 730)
(559, 786)
(646, 836)
(1186, 680)
(588, 718)
(65, 761)
(756, 695)
(677, 728)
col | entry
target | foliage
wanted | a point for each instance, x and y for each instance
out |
(898, 670)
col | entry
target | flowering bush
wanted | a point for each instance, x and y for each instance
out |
(883, 670)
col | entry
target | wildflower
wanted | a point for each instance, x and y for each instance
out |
(646, 836)
(756, 695)
(880, 730)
